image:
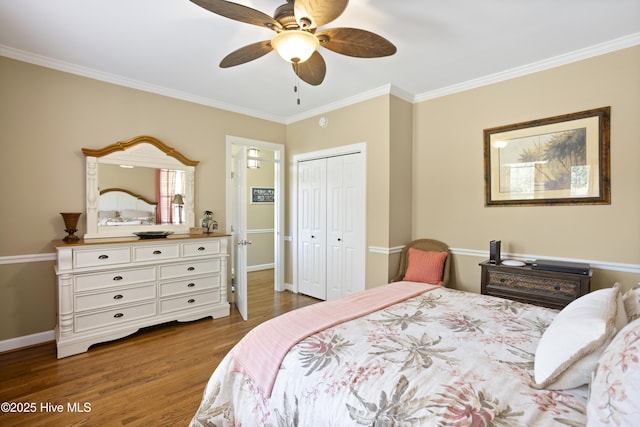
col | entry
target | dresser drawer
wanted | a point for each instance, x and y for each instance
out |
(189, 301)
(190, 285)
(212, 247)
(88, 282)
(116, 297)
(84, 322)
(500, 281)
(155, 252)
(208, 266)
(99, 257)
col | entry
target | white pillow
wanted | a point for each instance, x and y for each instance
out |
(631, 300)
(614, 392)
(571, 346)
(130, 213)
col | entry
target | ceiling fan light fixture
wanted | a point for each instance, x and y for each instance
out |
(295, 45)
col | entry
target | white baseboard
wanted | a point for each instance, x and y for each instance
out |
(27, 340)
(259, 267)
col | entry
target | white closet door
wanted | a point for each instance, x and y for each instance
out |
(312, 247)
(345, 225)
(335, 221)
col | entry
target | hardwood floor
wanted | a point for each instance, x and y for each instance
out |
(153, 378)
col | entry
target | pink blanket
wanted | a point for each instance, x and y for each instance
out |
(260, 353)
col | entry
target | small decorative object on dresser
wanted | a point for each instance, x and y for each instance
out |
(71, 225)
(110, 288)
(209, 225)
(540, 287)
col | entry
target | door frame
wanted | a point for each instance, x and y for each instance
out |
(342, 150)
(278, 173)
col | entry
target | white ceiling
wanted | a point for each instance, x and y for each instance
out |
(173, 47)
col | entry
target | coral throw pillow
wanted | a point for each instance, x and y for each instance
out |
(425, 266)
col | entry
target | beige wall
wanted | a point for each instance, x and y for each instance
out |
(260, 216)
(46, 117)
(366, 122)
(448, 184)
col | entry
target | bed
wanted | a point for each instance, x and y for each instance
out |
(121, 207)
(415, 354)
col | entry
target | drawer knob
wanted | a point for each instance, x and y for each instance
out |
(118, 315)
(103, 257)
(191, 285)
(118, 296)
(201, 248)
(191, 269)
(157, 252)
(191, 301)
(117, 278)
(556, 287)
(502, 280)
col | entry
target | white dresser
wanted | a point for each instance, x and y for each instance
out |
(110, 288)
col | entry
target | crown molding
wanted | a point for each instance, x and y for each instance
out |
(546, 64)
(67, 67)
(557, 61)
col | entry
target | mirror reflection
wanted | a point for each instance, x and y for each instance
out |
(138, 185)
(134, 195)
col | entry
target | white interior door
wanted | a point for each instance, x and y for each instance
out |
(352, 233)
(312, 228)
(239, 230)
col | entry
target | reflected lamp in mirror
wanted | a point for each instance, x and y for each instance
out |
(178, 201)
(253, 163)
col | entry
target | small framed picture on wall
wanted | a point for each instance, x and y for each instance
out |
(262, 195)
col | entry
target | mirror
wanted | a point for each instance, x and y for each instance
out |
(138, 185)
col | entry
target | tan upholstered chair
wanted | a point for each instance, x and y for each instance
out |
(424, 245)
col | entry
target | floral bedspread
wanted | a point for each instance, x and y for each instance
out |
(443, 358)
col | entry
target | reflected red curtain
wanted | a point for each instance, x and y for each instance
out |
(166, 183)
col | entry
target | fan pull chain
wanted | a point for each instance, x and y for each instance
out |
(296, 84)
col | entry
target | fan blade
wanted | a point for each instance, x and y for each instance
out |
(318, 12)
(238, 12)
(312, 70)
(246, 54)
(355, 42)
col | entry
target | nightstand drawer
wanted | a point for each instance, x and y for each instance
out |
(527, 284)
(545, 288)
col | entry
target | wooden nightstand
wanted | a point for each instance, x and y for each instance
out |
(545, 288)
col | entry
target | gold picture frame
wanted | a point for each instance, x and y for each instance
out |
(561, 160)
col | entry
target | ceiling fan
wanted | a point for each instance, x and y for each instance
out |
(297, 37)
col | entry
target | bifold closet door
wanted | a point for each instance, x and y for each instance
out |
(345, 225)
(331, 226)
(312, 249)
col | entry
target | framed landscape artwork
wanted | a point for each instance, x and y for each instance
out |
(554, 161)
